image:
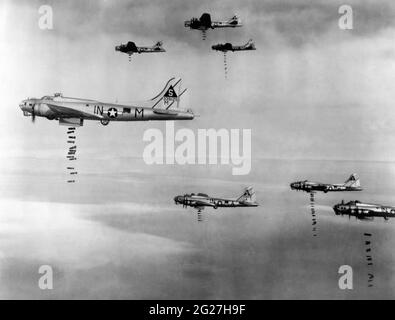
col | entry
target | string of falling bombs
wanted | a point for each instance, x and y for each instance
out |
(369, 259)
(199, 216)
(225, 66)
(313, 215)
(204, 34)
(71, 153)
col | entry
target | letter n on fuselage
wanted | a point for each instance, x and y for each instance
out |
(98, 110)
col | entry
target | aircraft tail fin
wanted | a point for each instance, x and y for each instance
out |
(158, 45)
(353, 181)
(170, 96)
(250, 44)
(234, 20)
(248, 196)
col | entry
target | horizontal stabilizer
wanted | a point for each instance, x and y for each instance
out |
(164, 111)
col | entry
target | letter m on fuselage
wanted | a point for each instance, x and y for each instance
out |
(139, 112)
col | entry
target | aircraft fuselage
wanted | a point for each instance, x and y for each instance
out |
(143, 50)
(364, 210)
(309, 186)
(230, 47)
(197, 201)
(95, 110)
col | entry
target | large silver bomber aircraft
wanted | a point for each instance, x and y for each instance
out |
(363, 210)
(200, 201)
(73, 111)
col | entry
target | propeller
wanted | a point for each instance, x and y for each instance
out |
(185, 201)
(33, 114)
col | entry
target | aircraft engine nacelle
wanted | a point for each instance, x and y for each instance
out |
(42, 109)
(75, 122)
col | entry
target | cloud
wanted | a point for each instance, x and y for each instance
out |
(54, 234)
(308, 80)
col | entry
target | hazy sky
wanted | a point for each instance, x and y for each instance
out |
(309, 91)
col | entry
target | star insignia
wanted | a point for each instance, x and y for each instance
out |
(112, 113)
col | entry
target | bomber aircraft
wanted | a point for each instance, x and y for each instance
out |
(224, 47)
(205, 23)
(351, 184)
(200, 201)
(73, 111)
(131, 48)
(364, 211)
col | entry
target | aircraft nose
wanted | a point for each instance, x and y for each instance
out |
(23, 105)
(177, 199)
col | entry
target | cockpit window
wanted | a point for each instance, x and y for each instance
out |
(47, 98)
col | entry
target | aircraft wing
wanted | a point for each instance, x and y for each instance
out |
(149, 50)
(68, 112)
(322, 186)
(199, 203)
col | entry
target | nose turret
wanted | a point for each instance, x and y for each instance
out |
(178, 199)
(22, 104)
(340, 208)
(27, 106)
(295, 185)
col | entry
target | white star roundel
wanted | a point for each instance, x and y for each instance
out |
(112, 112)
